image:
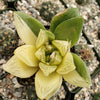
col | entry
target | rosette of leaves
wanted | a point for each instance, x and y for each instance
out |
(47, 53)
(48, 10)
(8, 42)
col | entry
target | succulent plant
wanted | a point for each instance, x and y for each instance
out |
(46, 53)
(82, 2)
(8, 42)
(48, 10)
(96, 96)
(84, 52)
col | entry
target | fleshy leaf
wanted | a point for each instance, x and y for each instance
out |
(26, 53)
(40, 54)
(31, 22)
(27, 27)
(69, 30)
(62, 46)
(55, 58)
(65, 15)
(67, 64)
(75, 79)
(80, 76)
(18, 68)
(43, 37)
(47, 86)
(47, 69)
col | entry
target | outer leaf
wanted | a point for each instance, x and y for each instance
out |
(80, 76)
(67, 64)
(27, 27)
(75, 79)
(69, 30)
(47, 69)
(18, 68)
(31, 22)
(65, 15)
(47, 86)
(81, 68)
(26, 53)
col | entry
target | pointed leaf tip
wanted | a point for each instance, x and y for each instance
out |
(27, 27)
(31, 22)
(24, 32)
(81, 68)
(43, 37)
(80, 76)
(61, 45)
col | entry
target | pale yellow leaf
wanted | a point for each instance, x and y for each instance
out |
(61, 45)
(24, 31)
(47, 69)
(66, 65)
(40, 54)
(17, 68)
(43, 37)
(26, 53)
(47, 86)
(75, 79)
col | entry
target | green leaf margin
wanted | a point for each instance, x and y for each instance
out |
(32, 23)
(65, 15)
(81, 68)
(69, 30)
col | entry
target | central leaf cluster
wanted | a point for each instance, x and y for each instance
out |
(49, 54)
(49, 51)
